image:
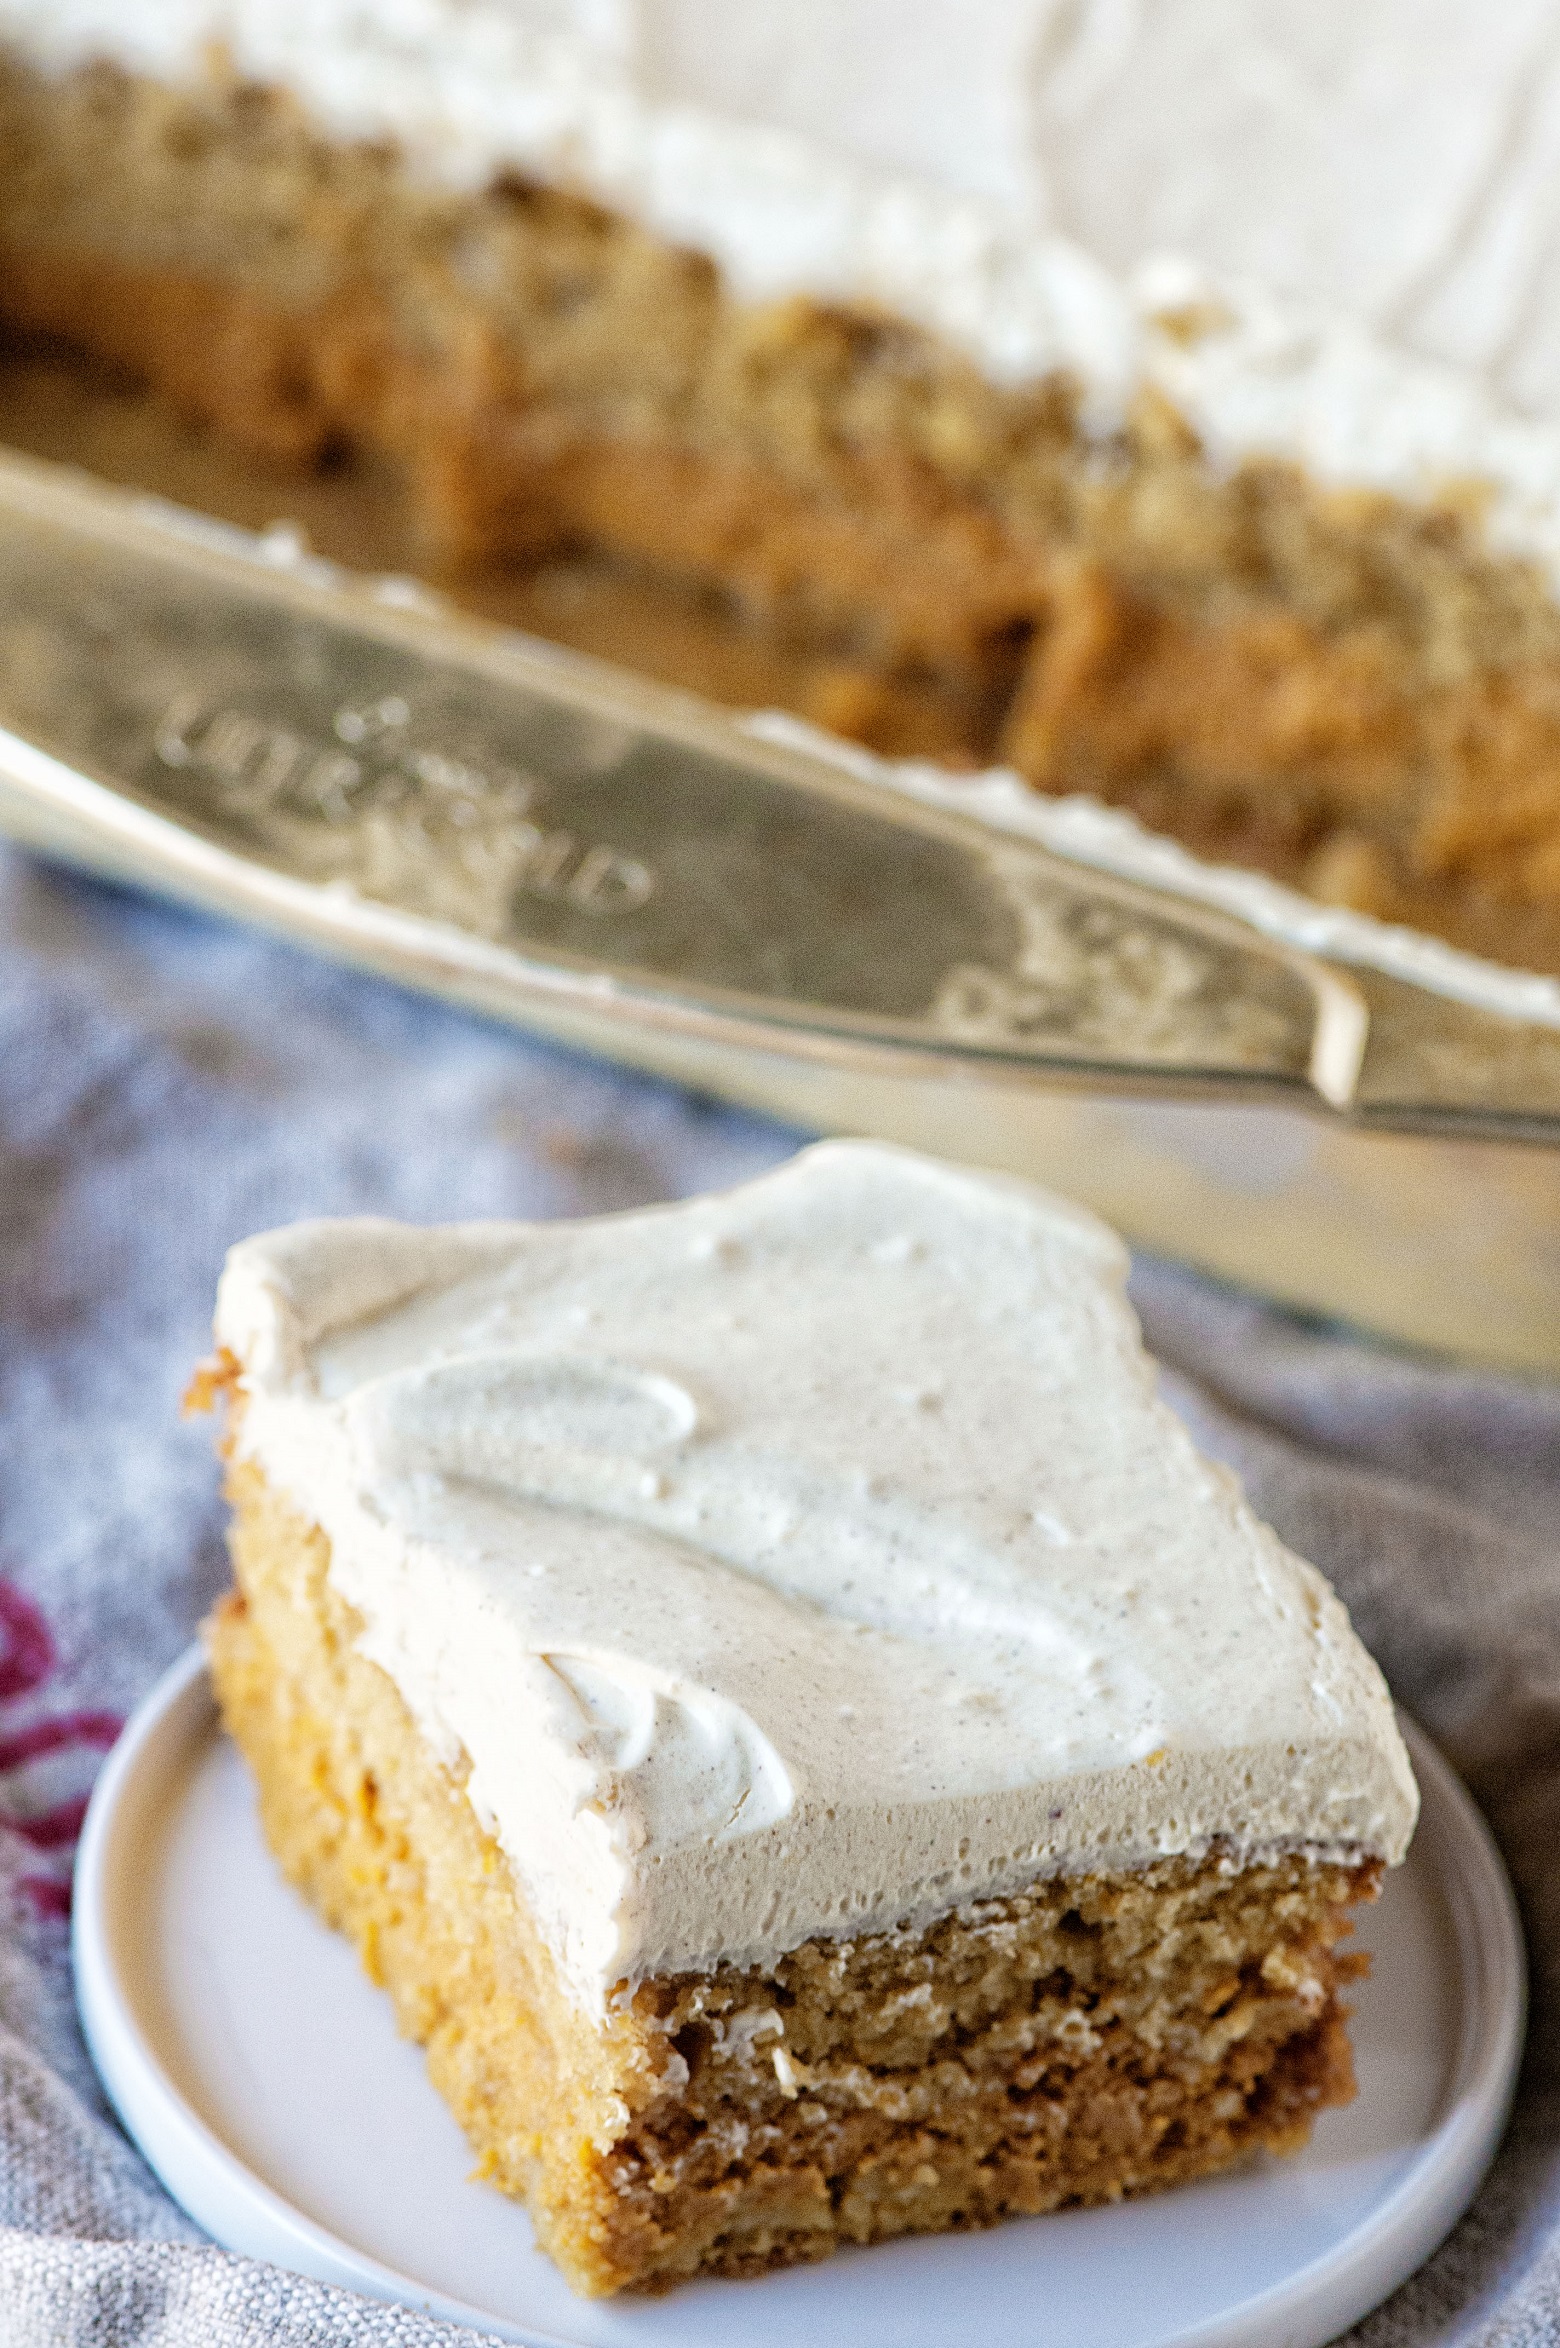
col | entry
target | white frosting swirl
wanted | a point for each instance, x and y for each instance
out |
(800, 1560)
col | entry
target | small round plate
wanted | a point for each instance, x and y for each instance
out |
(262, 2077)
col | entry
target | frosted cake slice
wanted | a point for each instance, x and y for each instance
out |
(810, 1747)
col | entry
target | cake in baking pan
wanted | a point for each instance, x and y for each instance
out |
(1171, 390)
(811, 1749)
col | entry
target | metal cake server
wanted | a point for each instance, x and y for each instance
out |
(562, 844)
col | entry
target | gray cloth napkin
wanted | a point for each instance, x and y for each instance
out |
(168, 1084)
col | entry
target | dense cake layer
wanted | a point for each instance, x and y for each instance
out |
(1093, 2036)
(806, 1560)
(919, 162)
(1239, 568)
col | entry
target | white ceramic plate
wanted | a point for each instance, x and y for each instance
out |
(262, 2077)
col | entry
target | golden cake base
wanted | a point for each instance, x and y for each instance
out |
(1096, 2037)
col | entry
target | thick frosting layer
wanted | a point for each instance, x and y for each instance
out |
(800, 1560)
(1357, 198)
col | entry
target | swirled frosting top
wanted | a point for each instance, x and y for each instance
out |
(802, 1559)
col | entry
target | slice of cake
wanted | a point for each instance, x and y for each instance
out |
(771, 300)
(810, 1748)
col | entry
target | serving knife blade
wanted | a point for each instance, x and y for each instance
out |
(566, 845)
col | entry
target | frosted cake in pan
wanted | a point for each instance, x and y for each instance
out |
(1167, 394)
(810, 1748)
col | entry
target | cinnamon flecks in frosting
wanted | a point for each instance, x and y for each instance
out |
(800, 1560)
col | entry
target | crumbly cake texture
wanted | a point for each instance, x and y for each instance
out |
(1333, 686)
(1094, 2037)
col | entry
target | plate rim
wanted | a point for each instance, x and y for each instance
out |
(212, 2184)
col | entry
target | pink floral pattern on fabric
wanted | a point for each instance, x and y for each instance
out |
(42, 1800)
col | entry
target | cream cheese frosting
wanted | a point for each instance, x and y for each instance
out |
(801, 1560)
(1356, 197)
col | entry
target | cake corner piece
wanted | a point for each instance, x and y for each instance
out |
(809, 1747)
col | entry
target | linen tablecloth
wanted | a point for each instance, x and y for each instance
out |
(168, 1084)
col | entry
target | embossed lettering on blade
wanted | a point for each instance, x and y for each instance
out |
(347, 756)
(395, 816)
